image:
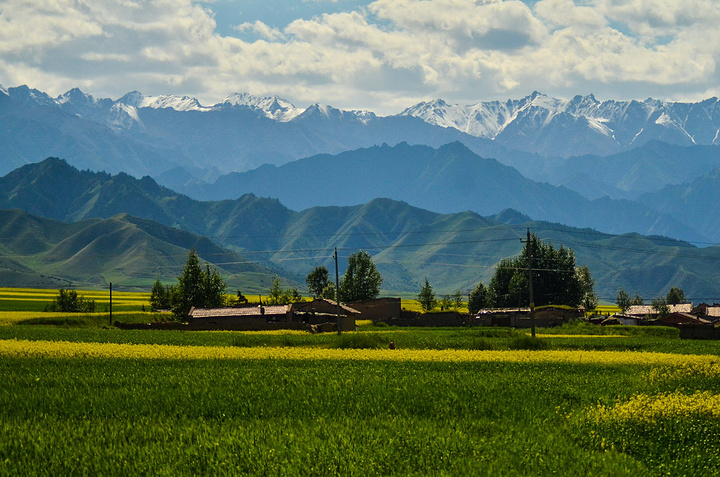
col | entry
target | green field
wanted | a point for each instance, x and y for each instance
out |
(584, 400)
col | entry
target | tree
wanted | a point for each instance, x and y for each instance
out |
(637, 300)
(676, 296)
(275, 297)
(212, 289)
(197, 287)
(457, 299)
(555, 277)
(160, 296)
(623, 300)
(426, 297)
(660, 305)
(278, 296)
(361, 280)
(587, 286)
(329, 292)
(317, 281)
(478, 298)
(68, 301)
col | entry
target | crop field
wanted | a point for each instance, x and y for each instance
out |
(30, 299)
(578, 400)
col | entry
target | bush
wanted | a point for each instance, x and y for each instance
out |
(68, 301)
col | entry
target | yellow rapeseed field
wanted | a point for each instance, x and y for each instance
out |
(647, 408)
(64, 349)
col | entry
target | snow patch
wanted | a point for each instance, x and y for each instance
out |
(598, 124)
(664, 120)
(178, 103)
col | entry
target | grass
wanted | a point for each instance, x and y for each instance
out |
(300, 417)
(80, 397)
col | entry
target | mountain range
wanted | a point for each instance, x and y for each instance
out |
(130, 231)
(243, 131)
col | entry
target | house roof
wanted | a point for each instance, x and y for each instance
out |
(228, 312)
(643, 310)
(682, 318)
(323, 303)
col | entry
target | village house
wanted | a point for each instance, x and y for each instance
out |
(709, 312)
(318, 315)
(648, 312)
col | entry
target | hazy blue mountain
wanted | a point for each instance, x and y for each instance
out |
(142, 135)
(448, 179)
(629, 174)
(697, 202)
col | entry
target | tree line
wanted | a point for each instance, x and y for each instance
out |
(204, 287)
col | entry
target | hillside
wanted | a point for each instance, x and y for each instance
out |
(127, 251)
(454, 250)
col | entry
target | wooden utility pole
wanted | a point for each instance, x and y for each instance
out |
(110, 303)
(337, 293)
(529, 254)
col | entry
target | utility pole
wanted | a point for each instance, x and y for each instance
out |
(530, 281)
(337, 293)
(110, 303)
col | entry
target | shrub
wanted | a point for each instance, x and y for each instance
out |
(68, 301)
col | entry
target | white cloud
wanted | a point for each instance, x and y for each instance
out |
(565, 13)
(384, 56)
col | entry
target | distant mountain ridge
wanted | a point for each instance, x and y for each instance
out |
(582, 125)
(454, 251)
(243, 131)
(448, 179)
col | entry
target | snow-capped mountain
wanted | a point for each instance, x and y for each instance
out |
(582, 125)
(271, 107)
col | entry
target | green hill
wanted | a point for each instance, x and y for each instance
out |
(99, 243)
(124, 250)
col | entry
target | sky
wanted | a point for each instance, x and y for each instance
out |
(383, 55)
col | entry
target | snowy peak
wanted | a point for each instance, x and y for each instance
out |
(323, 112)
(273, 107)
(178, 103)
(583, 125)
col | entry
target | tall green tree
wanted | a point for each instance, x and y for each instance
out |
(317, 281)
(676, 296)
(478, 298)
(362, 279)
(160, 296)
(276, 295)
(197, 287)
(555, 278)
(623, 300)
(587, 286)
(426, 297)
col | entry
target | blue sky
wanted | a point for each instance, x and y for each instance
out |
(381, 55)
